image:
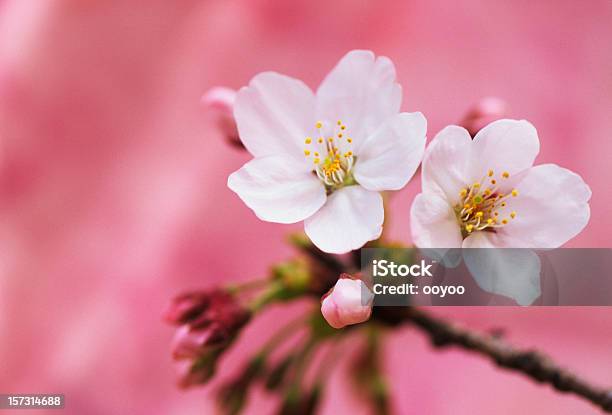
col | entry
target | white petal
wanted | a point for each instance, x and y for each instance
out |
(276, 190)
(351, 217)
(390, 156)
(446, 164)
(513, 273)
(551, 208)
(274, 114)
(504, 146)
(361, 91)
(433, 222)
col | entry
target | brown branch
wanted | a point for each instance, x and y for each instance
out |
(531, 363)
(443, 333)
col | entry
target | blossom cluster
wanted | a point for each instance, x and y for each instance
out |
(326, 157)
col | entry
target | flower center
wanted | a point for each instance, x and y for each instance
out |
(332, 156)
(482, 206)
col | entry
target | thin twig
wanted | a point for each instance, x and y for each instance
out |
(531, 363)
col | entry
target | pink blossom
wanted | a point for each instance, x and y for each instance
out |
(188, 343)
(348, 302)
(486, 110)
(219, 103)
(486, 193)
(210, 320)
(324, 158)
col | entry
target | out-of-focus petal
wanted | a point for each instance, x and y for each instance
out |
(276, 190)
(361, 91)
(351, 217)
(389, 158)
(220, 98)
(485, 111)
(513, 273)
(274, 114)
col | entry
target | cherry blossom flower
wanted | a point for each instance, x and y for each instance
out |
(323, 158)
(485, 193)
(348, 302)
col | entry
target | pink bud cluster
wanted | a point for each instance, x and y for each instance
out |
(208, 323)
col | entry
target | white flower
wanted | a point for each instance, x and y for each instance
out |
(324, 158)
(486, 193)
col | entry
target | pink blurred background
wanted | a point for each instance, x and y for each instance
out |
(113, 194)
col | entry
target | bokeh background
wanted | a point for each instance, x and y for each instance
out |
(113, 189)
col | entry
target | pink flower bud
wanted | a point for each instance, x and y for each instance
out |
(210, 320)
(219, 102)
(348, 302)
(187, 306)
(482, 113)
(189, 343)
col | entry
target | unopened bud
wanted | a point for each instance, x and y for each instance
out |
(188, 306)
(189, 343)
(219, 102)
(348, 302)
(482, 113)
(211, 320)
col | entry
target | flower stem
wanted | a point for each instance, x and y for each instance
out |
(247, 285)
